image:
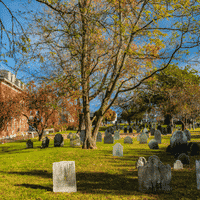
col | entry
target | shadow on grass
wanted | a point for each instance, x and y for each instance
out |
(34, 186)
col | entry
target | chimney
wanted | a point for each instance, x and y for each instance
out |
(13, 78)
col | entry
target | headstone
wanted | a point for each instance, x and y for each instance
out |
(153, 144)
(141, 162)
(128, 140)
(152, 131)
(117, 150)
(64, 176)
(108, 139)
(130, 130)
(198, 173)
(116, 135)
(154, 176)
(184, 158)
(69, 136)
(99, 137)
(75, 140)
(125, 130)
(58, 140)
(157, 136)
(45, 142)
(188, 134)
(29, 144)
(138, 130)
(138, 137)
(178, 165)
(143, 138)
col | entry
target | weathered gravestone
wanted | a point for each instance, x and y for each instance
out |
(128, 140)
(45, 142)
(75, 140)
(138, 130)
(130, 130)
(29, 144)
(198, 173)
(99, 137)
(117, 150)
(116, 135)
(125, 130)
(152, 131)
(138, 137)
(188, 134)
(58, 140)
(143, 138)
(108, 139)
(154, 176)
(64, 176)
(153, 144)
(141, 162)
(184, 158)
(178, 165)
(69, 136)
(157, 136)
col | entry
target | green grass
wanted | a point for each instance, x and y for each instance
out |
(27, 173)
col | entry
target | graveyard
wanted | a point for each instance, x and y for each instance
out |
(27, 173)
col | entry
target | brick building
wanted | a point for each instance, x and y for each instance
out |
(9, 84)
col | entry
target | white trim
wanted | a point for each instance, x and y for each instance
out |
(10, 87)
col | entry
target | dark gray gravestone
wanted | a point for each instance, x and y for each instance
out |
(29, 144)
(125, 130)
(58, 140)
(108, 139)
(45, 142)
(130, 130)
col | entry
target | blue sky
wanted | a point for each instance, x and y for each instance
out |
(16, 5)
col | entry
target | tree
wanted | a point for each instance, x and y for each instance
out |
(110, 115)
(109, 48)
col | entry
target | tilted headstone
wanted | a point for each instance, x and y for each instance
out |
(154, 176)
(157, 136)
(117, 150)
(188, 134)
(198, 173)
(45, 142)
(141, 162)
(178, 165)
(99, 137)
(143, 138)
(116, 135)
(29, 144)
(58, 140)
(125, 130)
(153, 144)
(128, 140)
(109, 139)
(64, 176)
(75, 140)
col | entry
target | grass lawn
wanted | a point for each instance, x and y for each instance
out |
(27, 173)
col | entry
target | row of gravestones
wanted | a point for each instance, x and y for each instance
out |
(153, 175)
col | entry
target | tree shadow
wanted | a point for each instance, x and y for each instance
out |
(34, 186)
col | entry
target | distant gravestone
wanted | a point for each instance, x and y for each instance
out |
(153, 144)
(125, 130)
(108, 139)
(128, 140)
(64, 176)
(198, 173)
(143, 138)
(152, 130)
(75, 140)
(154, 176)
(157, 136)
(178, 165)
(99, 137)
(58, 140)
(116, 135)
(130, 130)
(117, 150)
(138, 130)
(141, 162)
(29, 144)
(45, 142)
(69, 136)
(138, 137)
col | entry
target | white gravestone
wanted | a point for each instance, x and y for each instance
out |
(64, 176)
(198, 174)
(117, 150)
(178, 165)
(128, 140)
